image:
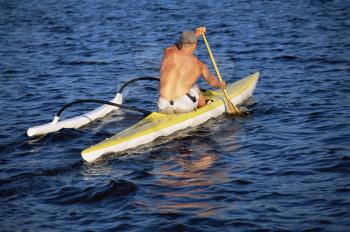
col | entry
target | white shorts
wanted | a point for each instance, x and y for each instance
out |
(183, 104)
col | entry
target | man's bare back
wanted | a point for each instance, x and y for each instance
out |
(180, 70)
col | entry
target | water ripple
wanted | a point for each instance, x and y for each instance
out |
(284, 167)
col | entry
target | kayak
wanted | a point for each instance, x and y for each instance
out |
(158, 124)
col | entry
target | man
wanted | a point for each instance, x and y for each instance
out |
(179, 72)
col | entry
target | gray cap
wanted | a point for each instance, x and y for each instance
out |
(187, 37)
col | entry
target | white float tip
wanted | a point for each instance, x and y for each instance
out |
(55, 120)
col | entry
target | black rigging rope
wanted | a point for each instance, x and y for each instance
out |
(137, 79)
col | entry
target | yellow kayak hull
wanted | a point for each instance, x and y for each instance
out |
(159, 124)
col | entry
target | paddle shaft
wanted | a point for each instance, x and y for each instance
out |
(231, 107)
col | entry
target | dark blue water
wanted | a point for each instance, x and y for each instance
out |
(283, 168)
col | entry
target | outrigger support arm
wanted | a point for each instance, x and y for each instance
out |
(137, 79)
(146, 112)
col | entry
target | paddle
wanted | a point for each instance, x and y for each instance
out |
(231, 108)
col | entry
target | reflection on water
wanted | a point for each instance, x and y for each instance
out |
(193, 175)
(195, 168)
(183, 181)
(186, 171)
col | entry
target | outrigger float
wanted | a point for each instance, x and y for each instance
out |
(154, 125)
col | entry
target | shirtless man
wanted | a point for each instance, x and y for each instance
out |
(179, 72)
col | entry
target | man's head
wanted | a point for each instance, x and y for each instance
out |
(187, 39)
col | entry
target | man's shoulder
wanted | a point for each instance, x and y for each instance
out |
(169, 51)
(171, 48)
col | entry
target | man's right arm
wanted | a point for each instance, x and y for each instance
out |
(209, 78)
(199, 31)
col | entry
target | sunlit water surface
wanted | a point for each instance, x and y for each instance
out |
(283, 168)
